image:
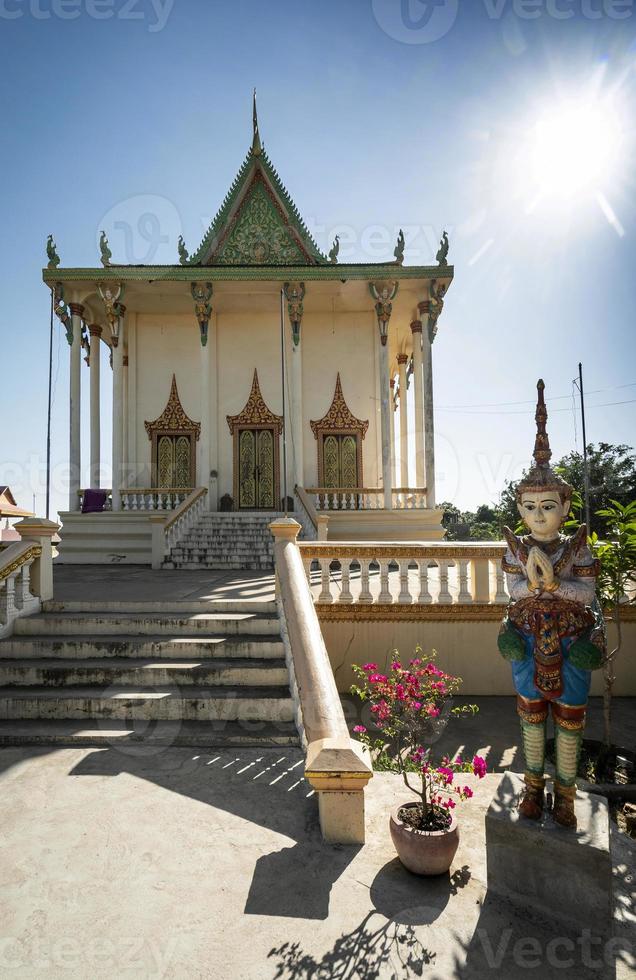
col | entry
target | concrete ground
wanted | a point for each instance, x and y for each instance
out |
(175, 863)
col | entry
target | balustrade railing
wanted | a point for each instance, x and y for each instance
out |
(366, 498)
(26, 571)
(146, 498)
(167, 532)
(442, 573)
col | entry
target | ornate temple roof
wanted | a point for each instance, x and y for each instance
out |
(258, 223)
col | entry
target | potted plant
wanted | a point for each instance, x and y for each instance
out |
(410, 706)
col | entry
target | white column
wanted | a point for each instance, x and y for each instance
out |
(95, 332)
(386, 413)
(203, 476)
(216, 418)
(75, 451)
(418, 398)
(118, 427)
(297, 412)
(125, 465)
(404, 425)
(429, 425)
(393, 456)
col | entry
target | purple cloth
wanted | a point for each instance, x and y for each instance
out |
(93, 501)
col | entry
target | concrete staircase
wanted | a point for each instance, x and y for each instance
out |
(226, 540)
(111, 673)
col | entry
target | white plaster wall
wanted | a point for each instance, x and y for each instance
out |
(165, 345)
(341, 342)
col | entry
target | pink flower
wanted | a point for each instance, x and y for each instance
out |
(479, 766)
(416, 705)
(396, 665)
(370, 667)
(377, 678)
(467, 791)
(359, 728)
(446, 774)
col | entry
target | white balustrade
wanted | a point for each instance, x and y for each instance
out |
(16, 595)
(167, 532)
(440, 573)
(365, 498)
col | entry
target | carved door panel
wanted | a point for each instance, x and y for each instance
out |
(340, 461)
(174, 461)
(257, 472)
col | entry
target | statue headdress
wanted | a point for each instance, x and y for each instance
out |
(541, 475)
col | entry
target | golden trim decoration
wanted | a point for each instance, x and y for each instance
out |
(173, 418)
(511, 569)
(339, 417)
(34, 552)
(173, 422)
(255, 414)
(332, 550)
(586, 571)
(416, 613)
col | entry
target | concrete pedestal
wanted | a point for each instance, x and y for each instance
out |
(561, 875)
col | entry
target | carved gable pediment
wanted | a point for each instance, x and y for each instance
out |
(255, 414)
(173, 418)
(339, 418)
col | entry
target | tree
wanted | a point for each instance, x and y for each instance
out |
(615, 584)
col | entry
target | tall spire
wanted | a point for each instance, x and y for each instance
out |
(542, 451)
(541, 476)
(256, 139)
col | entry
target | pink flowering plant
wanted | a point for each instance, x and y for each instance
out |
(410, 706)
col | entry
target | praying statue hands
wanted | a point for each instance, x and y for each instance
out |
(540, 571)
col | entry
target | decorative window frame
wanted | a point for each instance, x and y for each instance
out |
(173, 421)
(255, 414)
(339, 421)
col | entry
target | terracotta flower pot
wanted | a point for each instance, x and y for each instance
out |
(424, 852)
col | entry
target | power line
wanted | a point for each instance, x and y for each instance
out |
(459, 411)
(552, 398)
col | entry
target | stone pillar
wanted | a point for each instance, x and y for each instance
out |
(384, 293)
(125, 464)
(202, 294)
(118, 399)
(402, 360)
(95, 332)
(75, 450)
(393, 457)
(295, 294)
(418, 399)
(429, 425)
(40, 531)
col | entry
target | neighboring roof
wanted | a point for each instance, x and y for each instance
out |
(8, 506)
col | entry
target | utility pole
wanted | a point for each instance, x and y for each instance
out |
(282, 371)
(586, 471)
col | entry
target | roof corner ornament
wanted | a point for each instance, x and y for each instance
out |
(202, 294)
(333, 251)
(442, 253)
(256, 139)
(436, 295)
(113, 308)
(383, 293)
(62, 311)
(51, 252)
(106, 254)
(398, 251)
(184, 255)
(295, 294)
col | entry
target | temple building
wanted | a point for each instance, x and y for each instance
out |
(206, 406)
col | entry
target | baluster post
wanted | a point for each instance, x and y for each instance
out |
(463, 595)
(405, 597)
(365, 592)
(345, 590)
(501, 596)
(444, 597)
(325, 580)
(480, 571)
(425, 597)
(385, 593)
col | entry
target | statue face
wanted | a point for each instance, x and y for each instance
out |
(542, 513)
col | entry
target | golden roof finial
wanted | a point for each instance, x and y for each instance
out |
(541, 475)
(256, 139)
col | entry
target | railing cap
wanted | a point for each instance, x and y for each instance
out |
(285, 529)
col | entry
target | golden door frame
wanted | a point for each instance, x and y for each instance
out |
(255, 416)
(339, 421)
(173, 422)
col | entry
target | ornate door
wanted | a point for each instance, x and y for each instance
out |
(174, 461)
(340, 461)
(257, 472)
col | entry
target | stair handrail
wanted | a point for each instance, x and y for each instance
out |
(336, 766)
(167, 531)
(318, 523)
(26, 571)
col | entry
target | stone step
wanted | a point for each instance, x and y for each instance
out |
(142, 673)
(135, 734)
(197, 566)
(263, 647)
(163, 606)
(272, 704)
(112, 623)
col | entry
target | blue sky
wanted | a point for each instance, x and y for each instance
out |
(138, 122)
